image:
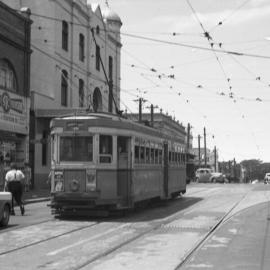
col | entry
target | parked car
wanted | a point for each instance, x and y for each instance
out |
(267, 178)
(207, 175)
(5, 208)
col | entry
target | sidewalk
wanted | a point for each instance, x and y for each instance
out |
(36, 195)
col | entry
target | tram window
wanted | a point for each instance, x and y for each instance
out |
(137, 155)
(170, 156)
(147, 154)
(142, 154)
(122, 145)
(76, 148)
(105, 149)
(152, 155)
(156, 156)
(178, 158)
(182, 158)
(160, 156)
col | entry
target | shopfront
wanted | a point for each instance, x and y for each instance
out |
(14, 130)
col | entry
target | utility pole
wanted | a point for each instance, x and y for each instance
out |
(188, 136)
(205, 154)
(215, 158)
(199, 146)
(141, 101)
(152, 107)
(234, 168)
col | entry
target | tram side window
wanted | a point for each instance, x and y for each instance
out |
(105, 149)
(147, 154)
(156, 156)
(137, 155)
(142, 154)
(178, 158)
(170, 156)
(182, 158)
(173, 157)
(160, 156)
(152, 154)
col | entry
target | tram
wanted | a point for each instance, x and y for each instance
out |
(102, 162)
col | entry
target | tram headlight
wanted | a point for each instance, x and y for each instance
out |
(91, 181)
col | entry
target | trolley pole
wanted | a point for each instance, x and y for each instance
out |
(205, 154)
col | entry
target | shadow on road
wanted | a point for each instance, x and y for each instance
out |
(150, 211)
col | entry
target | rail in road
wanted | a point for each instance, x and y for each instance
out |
(163, 237)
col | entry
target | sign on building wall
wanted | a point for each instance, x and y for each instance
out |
(14, 112)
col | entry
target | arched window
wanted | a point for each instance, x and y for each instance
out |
(81, 93)
(65, 35)
(97, 100)
(64, 88)
(8, 78)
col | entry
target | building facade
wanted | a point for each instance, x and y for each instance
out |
(15, 30)
(75, 64)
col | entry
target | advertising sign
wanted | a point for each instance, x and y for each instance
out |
(14, 112)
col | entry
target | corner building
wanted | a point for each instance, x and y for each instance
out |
(15, 53)
(72, 41)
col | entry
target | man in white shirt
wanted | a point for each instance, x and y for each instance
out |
(14, 183)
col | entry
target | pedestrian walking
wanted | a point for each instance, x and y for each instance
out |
(14, 184)
(28, 176)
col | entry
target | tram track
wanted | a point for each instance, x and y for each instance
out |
(130, 219)
(156, 227)
(47, 239)
(158, 221)
(200, 243)
(206, 237)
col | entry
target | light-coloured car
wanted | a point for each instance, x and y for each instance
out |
(5, 208)
(207, 175)
(203, 175)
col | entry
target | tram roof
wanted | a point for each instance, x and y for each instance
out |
(112, 121)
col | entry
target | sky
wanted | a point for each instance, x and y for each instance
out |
(168, 60)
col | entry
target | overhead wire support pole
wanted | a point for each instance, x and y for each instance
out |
(199, 146)
(205, 153)
(109, 82)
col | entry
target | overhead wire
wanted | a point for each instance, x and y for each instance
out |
(230, 15)
(163, 41)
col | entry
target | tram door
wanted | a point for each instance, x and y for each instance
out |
(124, 167)
(166, 170)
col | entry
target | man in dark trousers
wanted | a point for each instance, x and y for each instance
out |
(14, 184)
